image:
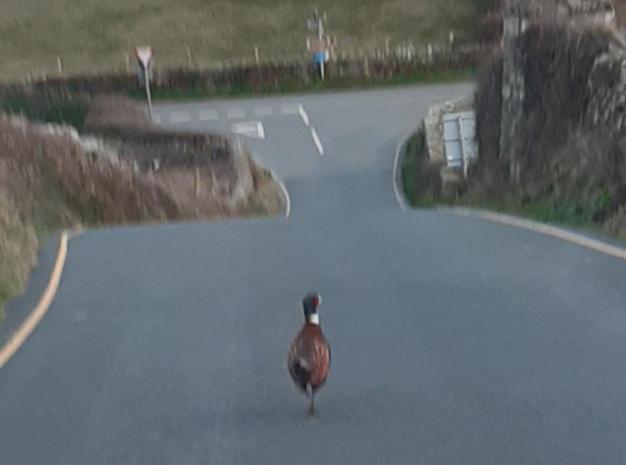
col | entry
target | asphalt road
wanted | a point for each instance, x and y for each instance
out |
(454, 340)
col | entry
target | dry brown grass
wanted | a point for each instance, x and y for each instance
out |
(47, 183)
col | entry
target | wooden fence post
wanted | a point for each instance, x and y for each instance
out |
(189, 57)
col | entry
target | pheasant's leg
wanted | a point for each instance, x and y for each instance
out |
(312, 404)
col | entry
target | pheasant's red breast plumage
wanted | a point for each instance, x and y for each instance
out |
(309, 358)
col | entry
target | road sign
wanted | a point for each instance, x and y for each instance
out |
(321, 57)
(144, 55)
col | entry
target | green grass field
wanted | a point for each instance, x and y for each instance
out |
(96, 35)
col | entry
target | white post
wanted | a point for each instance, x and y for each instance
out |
(320, 36)
(256, 54)
(60, 65)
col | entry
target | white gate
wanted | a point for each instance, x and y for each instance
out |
(459, 135)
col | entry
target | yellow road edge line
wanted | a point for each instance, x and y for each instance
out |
(546, 230)
(36, 315)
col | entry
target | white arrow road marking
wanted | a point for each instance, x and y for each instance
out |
(206, 115)
(252, 129)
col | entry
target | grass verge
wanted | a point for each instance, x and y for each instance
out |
(95, 36)
(421, 183)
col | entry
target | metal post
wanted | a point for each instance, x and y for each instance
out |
(148, 94)
(320, 36)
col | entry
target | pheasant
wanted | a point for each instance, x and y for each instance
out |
(309, 353)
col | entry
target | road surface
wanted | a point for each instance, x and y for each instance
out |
(454, 340)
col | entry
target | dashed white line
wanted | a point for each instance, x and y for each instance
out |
(180, 117)
(290, 109)
(317, 141)
(206, 115)
(303, 115)
(235, 113)
(263, 111)
(260, 130)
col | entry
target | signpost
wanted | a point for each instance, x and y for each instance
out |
(144, 57)
(319, 45)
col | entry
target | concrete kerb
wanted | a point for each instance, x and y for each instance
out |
(397, 171)
(279, 181)
(8, 350)
(284, 191)
(544, 229)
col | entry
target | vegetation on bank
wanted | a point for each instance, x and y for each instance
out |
(423, 188)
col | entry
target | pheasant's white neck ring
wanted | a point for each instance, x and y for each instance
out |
(314, 319)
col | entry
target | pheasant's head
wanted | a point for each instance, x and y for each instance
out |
(310, 303)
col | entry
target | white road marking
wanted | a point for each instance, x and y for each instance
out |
(206, 115)
(235, 113)
(263, 111)
(285, 193)
(396, 172)
(290, 109)
(317, 141)
(180, 117)
(545, 229)
(252, 129)
(303, 115)
(260, 130)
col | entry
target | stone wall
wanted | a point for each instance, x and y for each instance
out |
(519, 16)
(263, 78)
(433, 126)
(154, 150)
